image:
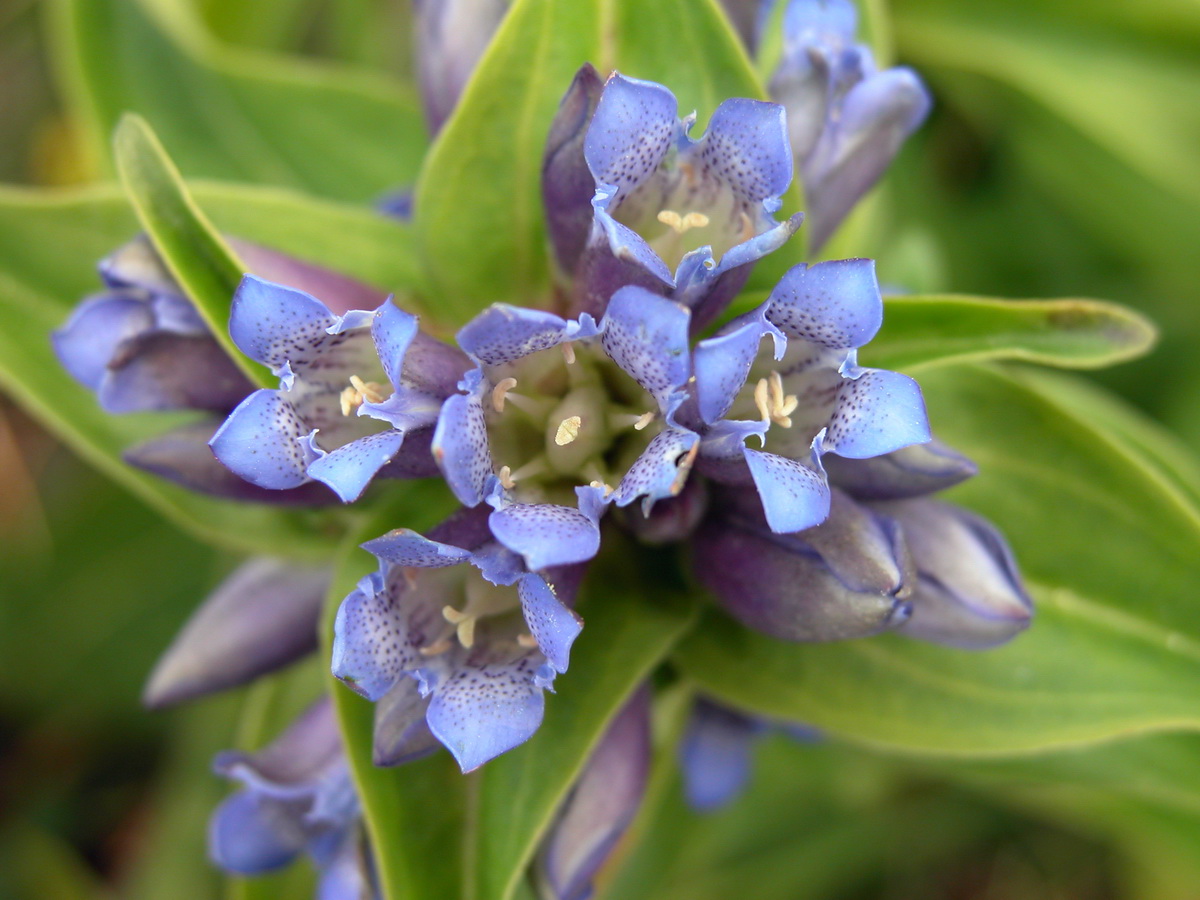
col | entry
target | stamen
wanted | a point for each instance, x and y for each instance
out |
(761, 401)
(568, 352)
(695, 220)
(370, 390)
(437, 647)
(500, 393)
(350, 400)
(506, 480)
(464, 625)
(644, 420)
(684, 467)
(536, 466)
(568, 430)
(528, 641)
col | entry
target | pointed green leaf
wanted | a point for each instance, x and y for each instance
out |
(1111, 551)
(625, 637)
(1070, 333)
(235, 114)
(200, 260)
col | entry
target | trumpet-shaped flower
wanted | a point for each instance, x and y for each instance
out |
(358, 392)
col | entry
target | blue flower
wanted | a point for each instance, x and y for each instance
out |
(451, 36)
(358, 392)
(846, 120)
(297, 797)
(805, 399)
(462, 616)
(685, 218)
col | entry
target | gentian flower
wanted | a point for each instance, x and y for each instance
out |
(141, 346)
(461, 615)
(685, 218)
(807, 398)
(297, 797)
(846, 120)
(358, 392)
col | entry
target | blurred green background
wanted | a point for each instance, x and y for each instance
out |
(1060, 160)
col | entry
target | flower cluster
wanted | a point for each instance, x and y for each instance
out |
(795, 481)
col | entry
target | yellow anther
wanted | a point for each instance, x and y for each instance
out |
(684, 467)
(679, 224)
(351, 400)
(568, 430)
(568, 352)
(464, 625)
(761, 400)
(773, 404)
(528, 641)
(370, 391)
(453, 616)
(506, 480)
(500, 392)
(607, 488)
(644, 420)
(671, 219)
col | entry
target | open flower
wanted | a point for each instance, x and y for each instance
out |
(462, 615)
(358, 392)
(685, 218)
(806, 398)
(846, 120)
(297, 797)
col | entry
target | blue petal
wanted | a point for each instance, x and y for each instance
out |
(746, 146)
(349, 469)
(546, 535)
(401, 733)
(404, 547)
(461, 449)
(371, 649)
(835, 304)
(344, 876)
(261, 442)
(794, 496)
(87, 342)
(503, 333)
(660, 471)
(552, 624)
(392, 330)
(635, 124)
(647, 336)
(723, 362)
(275, 324)
(823, 21)
(484, 710)
(877, 412)
(249, 835)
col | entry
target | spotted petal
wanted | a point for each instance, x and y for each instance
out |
(546, 535)
(647, 336)
(722, 363)
(661, 471)
(503, 333)
(275, 324)
(635, 124)
(349, 469)
(375, 641)
(835, 304)
(876, 412)
(406, 548)
(553, 625)
(261, 442)
(794, 496)
(461, 449)
(487, 707)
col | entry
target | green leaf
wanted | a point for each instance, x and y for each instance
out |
(1109, 548)
(624, 638)
(48, 248)
(234, 114)
(201, 262)
(478, 206)
(1071, 333)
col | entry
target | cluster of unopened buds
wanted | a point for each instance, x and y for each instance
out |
(796, 482)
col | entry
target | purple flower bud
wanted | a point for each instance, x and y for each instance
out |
(848, 577)
(451, 36)
(602, 804)
(261, 618)
(968, 592)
